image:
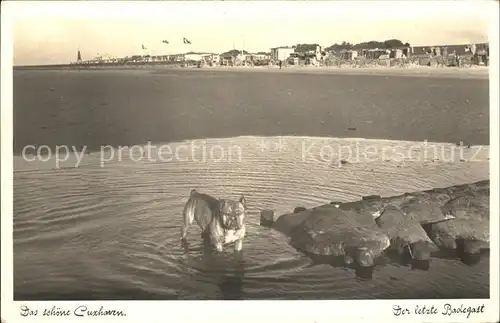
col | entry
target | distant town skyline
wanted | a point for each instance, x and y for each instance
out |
(52, 32)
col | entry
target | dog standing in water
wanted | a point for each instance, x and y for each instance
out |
(221, 220)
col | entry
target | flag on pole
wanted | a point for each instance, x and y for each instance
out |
(186, 41)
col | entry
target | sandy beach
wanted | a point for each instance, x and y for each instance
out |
(479, 72)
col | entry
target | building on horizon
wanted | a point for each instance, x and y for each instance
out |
(477, 54)
(281, 53)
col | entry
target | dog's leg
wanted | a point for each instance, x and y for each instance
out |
(238, 245)
(184, 232)
(205, 236)
(188, 218)
(217, 241)
(216, 234)
(218, 246)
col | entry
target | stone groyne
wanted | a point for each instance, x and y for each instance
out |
(414, 227)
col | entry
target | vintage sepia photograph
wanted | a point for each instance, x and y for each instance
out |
(227, 150)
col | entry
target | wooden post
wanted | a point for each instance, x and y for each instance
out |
(468, 251)
(266, 218)
(364, 263)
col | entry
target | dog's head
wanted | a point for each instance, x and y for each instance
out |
(233, 213)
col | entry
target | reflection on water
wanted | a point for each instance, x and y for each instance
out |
(227, 271)
(110, 228)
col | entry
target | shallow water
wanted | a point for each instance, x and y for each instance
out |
(109, 228)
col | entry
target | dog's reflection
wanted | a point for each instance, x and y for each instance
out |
(231, 282)
(225, 268)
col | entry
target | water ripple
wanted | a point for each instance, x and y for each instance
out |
(119, 224)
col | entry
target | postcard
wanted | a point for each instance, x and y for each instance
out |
(229, 161)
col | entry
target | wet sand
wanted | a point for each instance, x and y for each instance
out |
(477, 72)
(125, 107)
(412, 71)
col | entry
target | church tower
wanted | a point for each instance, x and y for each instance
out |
(79, 57)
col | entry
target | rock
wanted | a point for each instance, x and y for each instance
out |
(328, 231)
(416, 224)
(299, 209)
(406, 234)
(266, 217)
(369, 206)
(469, 251)
(481, 187)
(424, 212)
(471, 223)
(371, 197)
(397, 225)
(422, 249)
(287, 222)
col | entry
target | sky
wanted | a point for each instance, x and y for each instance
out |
(48, 32)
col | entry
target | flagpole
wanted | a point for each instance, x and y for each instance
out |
(166, 52)
(243, 58)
